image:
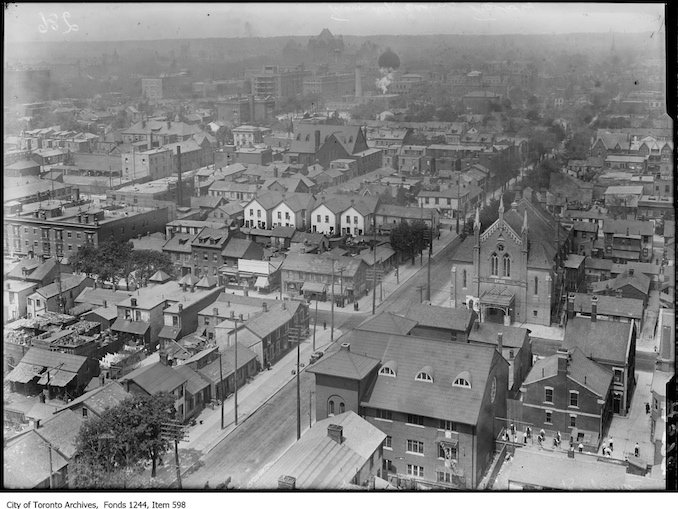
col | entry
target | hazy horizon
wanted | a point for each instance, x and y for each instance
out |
(117, 22)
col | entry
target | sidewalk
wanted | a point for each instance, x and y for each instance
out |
(647, 341)
(204, 437)
(635, 426)
(389, 284)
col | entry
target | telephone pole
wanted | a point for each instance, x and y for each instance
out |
(374, 285)
(173, 430)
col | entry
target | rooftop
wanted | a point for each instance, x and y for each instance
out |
(602, 340)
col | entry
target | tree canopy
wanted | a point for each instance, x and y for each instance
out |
(113, 450)
(408, 239)
(115, 260)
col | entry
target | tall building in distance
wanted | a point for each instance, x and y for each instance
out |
(276, 81)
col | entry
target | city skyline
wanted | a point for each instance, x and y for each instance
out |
(80, 22)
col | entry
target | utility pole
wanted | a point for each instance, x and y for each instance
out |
(332, 308)
(341, 283)
(235, 376)
(173, 430)
(430, 247)
(51, 468)
(221, 390)
(374, 285)
(315, 322)
(457, 205)
(310, 409)
(294, 334)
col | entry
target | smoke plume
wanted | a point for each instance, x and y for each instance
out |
(385, 80)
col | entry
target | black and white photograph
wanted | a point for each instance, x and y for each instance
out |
(336, 247)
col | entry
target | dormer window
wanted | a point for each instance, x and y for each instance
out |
(389, 369)
(463, 379)
(425, 375)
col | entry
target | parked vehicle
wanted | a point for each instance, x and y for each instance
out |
(315, 356)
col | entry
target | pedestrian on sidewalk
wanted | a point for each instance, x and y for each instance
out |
(611, 445)
(636, 450)
(558, 435)
(581, 448)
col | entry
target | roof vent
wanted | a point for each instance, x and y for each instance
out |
(346, 346)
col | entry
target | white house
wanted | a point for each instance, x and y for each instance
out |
(294, 211)
(259, 211)
(359, 217)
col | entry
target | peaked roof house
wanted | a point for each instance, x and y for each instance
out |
(437, 401)
(325, 143)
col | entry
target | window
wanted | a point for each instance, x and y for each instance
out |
(464, 279)
(449, 454)
(387, 465)
(462, 381)
(548, 395)
(251, 212)
(318, 218)
(258, 213)
(415, 470)
(388, 442)
(415, 420)
(84, 412)
(279, 215)
(175, 321)
(342, 408)
(330, 408)
(548, 419)
(618, 373)
(445, 477)
(507, 266)
(385, 415)
(424, 377)
(415, 447)
(355, 219)
(348, 219)
(447, 425)
(536, 285)
(573, 421)
(387, 371)
(494, 265)
(534, 313)
(37, 302)
(327, 219)
(574, 398)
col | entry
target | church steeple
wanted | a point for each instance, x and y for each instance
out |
(476, 229)
(501, 207)
(476, 223)
(524, 229)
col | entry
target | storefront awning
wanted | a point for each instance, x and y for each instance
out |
(496, 299)
(23, 373)
(137, 328)
(169, 332)
(314, 287)
(262, 282)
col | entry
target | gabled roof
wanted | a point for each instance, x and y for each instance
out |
(344, 364)
(196, 382)
(236, 248)
(266, 322)
(388, 323)
(156, 378)
(448, 359)
(61, 431)
(68, 282)
(24, 466)
(180, 242)
(581, 369)
(304, 137)
(37, 270)
(609, 305)
(640, 282)
(101, 398)
(440, 317)
(268, 200)
(487, 332)
(602, 340)
(621, 226)
(321, 264)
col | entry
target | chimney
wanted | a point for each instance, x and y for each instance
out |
(562, 361)
(181, 307)
(317, 140)
(163, 357)
(500, 341)
(346, 346)
(264, 306)
(183, 287)
(179, 197)
(570, 305)
(594, 309)
(228, 303)
(232, 315)
(358, 82)
(36, 423)
(240, 318)
(169, 124)
(275, 172)
(336, 432)
(287, 482)
(630, 272)
(215, 312)
(105, 304)
(192, 288)
(134, 302)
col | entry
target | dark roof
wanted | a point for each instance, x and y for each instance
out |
(441, 317)
(37, 270)
(447, 359)
(513, 337)
(344, 364)
(48, 359)
(584, 226)
(180, 242)
(608, 305)
(196, 381)
(347, 136)
(321, 264)
(598, 263)
(156, 378)
(25, 461)
(236, 248)
(640, 282)
(245, 356)
(581, 369)
(602, 340)
(388, 323)
(621, 226)
(61, 430)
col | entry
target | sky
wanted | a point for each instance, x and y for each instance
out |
(148, 21)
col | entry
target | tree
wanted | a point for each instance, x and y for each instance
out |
(577, 147)
(109, 261)
(122, 441)
(143, 263)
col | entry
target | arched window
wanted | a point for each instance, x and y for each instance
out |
(330, 408)
(536, 285)
(342, 408)
(507, 266)
(464, 279)
(463, 380)
(389, 369)
(494, 265)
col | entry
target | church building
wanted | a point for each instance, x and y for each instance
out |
(513, 272)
